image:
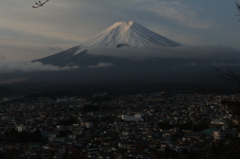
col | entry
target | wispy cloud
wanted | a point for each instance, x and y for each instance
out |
(10, 81)
(102, 64)
(210, 52)
(225, 64)
(191, 64)
(179, 12)
(8, 66)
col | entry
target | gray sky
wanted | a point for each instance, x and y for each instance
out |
(28, 33)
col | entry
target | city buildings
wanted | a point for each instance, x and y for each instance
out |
(123, 126)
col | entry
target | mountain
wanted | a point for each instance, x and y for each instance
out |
(120, 35)
(102, 66)
(128, 34)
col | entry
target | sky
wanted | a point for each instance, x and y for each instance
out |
(27, 33)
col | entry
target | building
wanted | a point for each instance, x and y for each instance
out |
(219, 135)
(21, 128)
(131, 118)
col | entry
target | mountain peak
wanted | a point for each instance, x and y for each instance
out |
(127, 23)
(128, 34)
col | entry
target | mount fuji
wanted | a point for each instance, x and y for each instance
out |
(128, 34)
(113, 59)
(121, 35)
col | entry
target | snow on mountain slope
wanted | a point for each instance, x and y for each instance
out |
(121, 34)
(129, 34)
(125, 34)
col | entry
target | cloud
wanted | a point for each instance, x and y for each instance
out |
(180, 12)
(102, 64)
(213, 52)
(10, 81)
(225, 64)
(8, 66)
(76, 20)
(191, 64)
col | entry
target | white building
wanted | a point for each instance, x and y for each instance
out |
(131, 118)
(89, 124)
(21, 128)
(139, 115)
(219, 135)
(126, 133)
(218, 122)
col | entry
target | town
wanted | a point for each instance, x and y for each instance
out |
(103, 126)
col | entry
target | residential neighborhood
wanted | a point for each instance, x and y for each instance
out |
(104, 126)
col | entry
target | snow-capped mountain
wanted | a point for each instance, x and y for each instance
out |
(121, 34)
(130, 34)
(121, 55)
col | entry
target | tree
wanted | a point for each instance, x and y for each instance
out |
(238, 8)
(228, 74)
(40, 4)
